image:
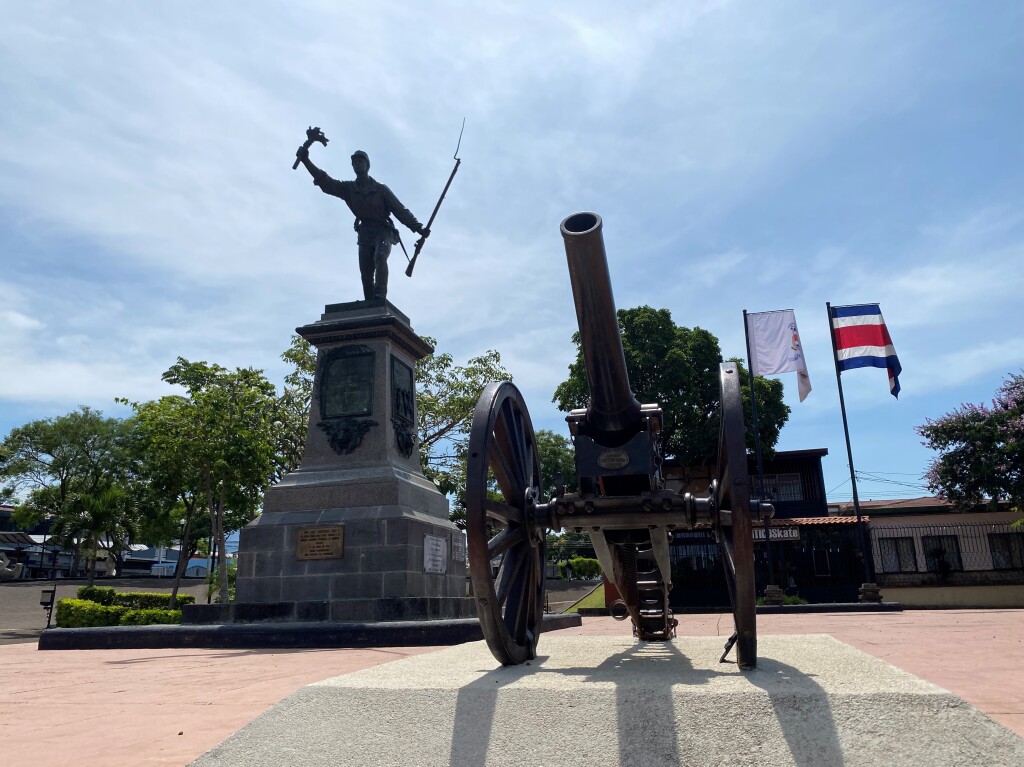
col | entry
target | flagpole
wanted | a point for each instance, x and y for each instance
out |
(849, 449)
(757, 451)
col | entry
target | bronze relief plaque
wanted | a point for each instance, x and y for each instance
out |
(321, 542)
(403, 406)
(346, 382)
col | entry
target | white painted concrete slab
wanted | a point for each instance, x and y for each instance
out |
(612, 701)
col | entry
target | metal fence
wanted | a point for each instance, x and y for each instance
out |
(822, 565)
(953, 554)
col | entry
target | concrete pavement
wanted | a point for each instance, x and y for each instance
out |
(612, 702)
(165, 708)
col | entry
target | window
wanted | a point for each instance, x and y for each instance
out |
(898, 555)
(821, 563)
(782, 487)
(1007, 551)
(941, 553)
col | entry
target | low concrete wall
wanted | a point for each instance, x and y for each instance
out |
(956, 596)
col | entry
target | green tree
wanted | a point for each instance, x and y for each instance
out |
(171, 486)
(106, 519)
(568, 544)
(293, 405)
(558, 466)
(49, 464)
(772, 411)
(230, 416)
(446, 396)
(557, 463)
(981, 450)
(678, 368)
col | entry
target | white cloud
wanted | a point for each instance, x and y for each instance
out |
(12, 322)
(151, 212)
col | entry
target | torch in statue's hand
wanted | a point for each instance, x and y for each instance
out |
(313, 135)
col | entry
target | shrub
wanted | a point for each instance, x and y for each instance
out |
(150, 600)
(213, 582)
(136, 600)
(183, 599)
(149, 617)
(83, 613)
(80, 613)
(787, 599)
(103, 595)
(583, 568)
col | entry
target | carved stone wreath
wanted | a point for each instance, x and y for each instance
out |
(345, 434)
(405, 436)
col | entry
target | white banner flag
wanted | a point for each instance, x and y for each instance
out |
(775, 347)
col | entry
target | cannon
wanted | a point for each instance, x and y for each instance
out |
(622, 501)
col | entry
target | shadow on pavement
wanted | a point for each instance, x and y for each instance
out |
(648, 731)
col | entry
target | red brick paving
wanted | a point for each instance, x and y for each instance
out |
(163, 708)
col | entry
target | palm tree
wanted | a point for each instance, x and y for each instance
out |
(104, 519)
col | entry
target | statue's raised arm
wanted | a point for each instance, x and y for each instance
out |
(373, 205)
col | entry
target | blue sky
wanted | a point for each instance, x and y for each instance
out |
(748, 155)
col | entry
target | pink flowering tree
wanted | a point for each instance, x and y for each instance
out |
(980, 450)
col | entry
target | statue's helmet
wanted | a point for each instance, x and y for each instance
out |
(361, 153)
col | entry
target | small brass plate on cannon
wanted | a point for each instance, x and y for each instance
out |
(613, 459)
(321, 542)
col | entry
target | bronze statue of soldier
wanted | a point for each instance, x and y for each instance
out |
(373, 204)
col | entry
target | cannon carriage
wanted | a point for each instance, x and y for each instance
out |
(621, 502)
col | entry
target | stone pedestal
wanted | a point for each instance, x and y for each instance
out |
(773, 595)
(869, 592)
(357, 533)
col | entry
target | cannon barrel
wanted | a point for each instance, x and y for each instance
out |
(612, 408)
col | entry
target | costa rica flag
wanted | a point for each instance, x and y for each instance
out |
(862, 340)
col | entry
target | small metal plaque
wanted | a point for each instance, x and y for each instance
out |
(613, 459)
(435, 554)
(459, 547)
(322, 542)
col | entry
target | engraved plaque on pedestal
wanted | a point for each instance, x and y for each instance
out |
(459, 546)
(435, 554)
(321, 542)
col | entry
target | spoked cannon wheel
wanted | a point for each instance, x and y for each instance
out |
(733, 530)
(506, 540)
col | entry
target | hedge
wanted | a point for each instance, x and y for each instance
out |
(80, 613)
(83, 613)
(103, 595)
(137, 600)
(583, 568)
(148, 617)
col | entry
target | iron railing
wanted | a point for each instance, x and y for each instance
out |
(974, 553)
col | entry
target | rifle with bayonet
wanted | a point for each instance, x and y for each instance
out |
(421, 240)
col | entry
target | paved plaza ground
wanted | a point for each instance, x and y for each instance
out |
(167, 707)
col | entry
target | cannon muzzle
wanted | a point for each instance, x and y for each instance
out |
(613, 408)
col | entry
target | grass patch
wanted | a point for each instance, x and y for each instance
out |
(594, 599)
(787, 599)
